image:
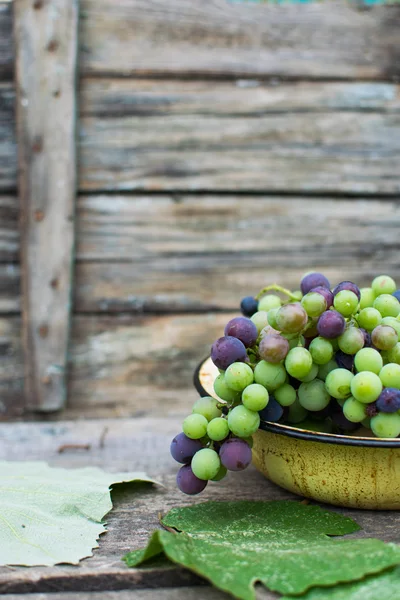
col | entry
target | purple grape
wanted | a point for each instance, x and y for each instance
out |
(367, 338)
(389, 400)
(326, 293)
(273, 348)
(227, 350)
(347, 285)
(396, 294)
(331, 324)
(371, 409)
(188, 483)
(272, 412)
(249, 306)
(345, 361)
(235, 454)
(243, 329)
(183, 448)
(313, 280)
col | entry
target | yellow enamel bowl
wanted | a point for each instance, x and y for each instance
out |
(358, 472)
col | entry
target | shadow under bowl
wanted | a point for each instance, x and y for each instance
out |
(344, 470)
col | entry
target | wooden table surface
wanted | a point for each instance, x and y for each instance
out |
(134, 444)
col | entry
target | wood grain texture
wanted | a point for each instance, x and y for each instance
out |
(163, 135)
(46, 51)
(136, 444)
(6, 42)
(331, 40)
(113, 97)
(182, 253)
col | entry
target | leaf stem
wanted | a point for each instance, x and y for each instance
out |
(274, 287)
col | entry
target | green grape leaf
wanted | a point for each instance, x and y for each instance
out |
(383, 586)
(50, 515)
(283, 544)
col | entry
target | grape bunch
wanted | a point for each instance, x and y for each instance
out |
(318, 358)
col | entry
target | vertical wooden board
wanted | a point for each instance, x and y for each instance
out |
(46, 55)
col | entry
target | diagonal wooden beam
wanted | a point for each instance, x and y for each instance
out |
(45, 33)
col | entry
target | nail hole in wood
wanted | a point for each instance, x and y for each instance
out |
(46, 380)
(57, 93)
(37, 145)
(38, 215)
(52, 46)
(54, 283)
(43, 330)
(38, 4)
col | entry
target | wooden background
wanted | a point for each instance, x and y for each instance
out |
(220, 147)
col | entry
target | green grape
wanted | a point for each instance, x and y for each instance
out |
(221, 473)
(242, 421)
(383, 284)
(297, 412)
(255, 397)
(390, 375)
(260, 319)
(195, 426)
(346, 303)
(386, 425)
(324, 370)
(208, 407)
(248, 440)
(387, 305)
(366, 387)
(268, 302)
(311, 375)
(354, 410)
(368, 359)
(341, 401)
(369, 318)
(367, 297)
(321, 350)
(291, 318)
(393, 355)
(269, 375)
(298, 362)
(338, 383)
(314, 304)
(297, 294)
(285, 395)
(384, 337)
(392, 322)
(313, 395)
(205, 464)
(238, 376)
(351, 341)
(218, 429)
(223, 391)
(272, 318)
(296, 341)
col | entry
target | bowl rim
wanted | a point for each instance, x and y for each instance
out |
(303, 434)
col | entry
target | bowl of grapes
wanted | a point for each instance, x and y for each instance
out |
(304, 384)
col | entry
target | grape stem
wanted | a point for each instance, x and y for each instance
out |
(276, 288)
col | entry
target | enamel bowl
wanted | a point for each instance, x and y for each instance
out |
(345, 470)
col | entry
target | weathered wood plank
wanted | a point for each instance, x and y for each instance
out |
(119, 366)
(8, 145)
(202, 136)
(6, 42)
(196, 253)
(241, 97)
(324, 152)
(46, 52)
(214, 37)
(9, 234)
(135, 444)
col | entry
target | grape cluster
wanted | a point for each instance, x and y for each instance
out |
(324, 359)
